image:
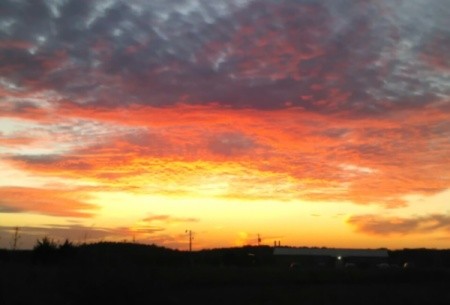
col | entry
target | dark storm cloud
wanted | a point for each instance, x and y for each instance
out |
(327, 56)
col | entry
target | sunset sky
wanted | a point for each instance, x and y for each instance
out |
(309, 122)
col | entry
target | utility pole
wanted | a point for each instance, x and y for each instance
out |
(190, 239)
(15, 239)
(259, 240)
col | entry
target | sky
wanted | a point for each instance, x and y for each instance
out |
(312, 123)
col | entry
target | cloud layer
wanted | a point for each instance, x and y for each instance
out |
(364, 57)
(378, 225)
(292, 100)
(283, 154)
(54, 202)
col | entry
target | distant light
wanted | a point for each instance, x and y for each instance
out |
(339, 257)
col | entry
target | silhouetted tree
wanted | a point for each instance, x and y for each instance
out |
(45, 251)
(67, 249)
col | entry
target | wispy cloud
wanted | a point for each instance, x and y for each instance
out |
(167, 219)
(79, 233)
(380, 225)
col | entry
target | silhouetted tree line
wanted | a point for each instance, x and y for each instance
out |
(48, 251)
(114, 253)
(131, 253)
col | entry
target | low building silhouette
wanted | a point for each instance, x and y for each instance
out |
(330, 258)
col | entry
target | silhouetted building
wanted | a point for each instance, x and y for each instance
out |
(329, 258)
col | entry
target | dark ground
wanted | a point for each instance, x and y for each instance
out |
(139, 275)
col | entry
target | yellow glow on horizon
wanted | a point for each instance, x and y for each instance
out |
(224, 220)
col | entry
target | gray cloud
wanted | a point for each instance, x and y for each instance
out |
(74, 232)
(229, 144)
(9, 209)
(379, 225)
(364, 56)
(51, 161)
(37, 159)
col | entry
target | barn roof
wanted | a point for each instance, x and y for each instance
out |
(331, 252)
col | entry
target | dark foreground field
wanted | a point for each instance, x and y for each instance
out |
(104, 277)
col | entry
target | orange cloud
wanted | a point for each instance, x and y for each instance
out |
(14, 141)
(53, 202)
(279, 154)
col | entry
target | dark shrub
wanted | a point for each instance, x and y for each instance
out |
(66, 250)
(45, 251)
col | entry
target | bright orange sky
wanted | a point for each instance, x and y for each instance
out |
(309, 123)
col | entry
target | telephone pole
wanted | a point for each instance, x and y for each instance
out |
(190, 239)
(15, 238)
